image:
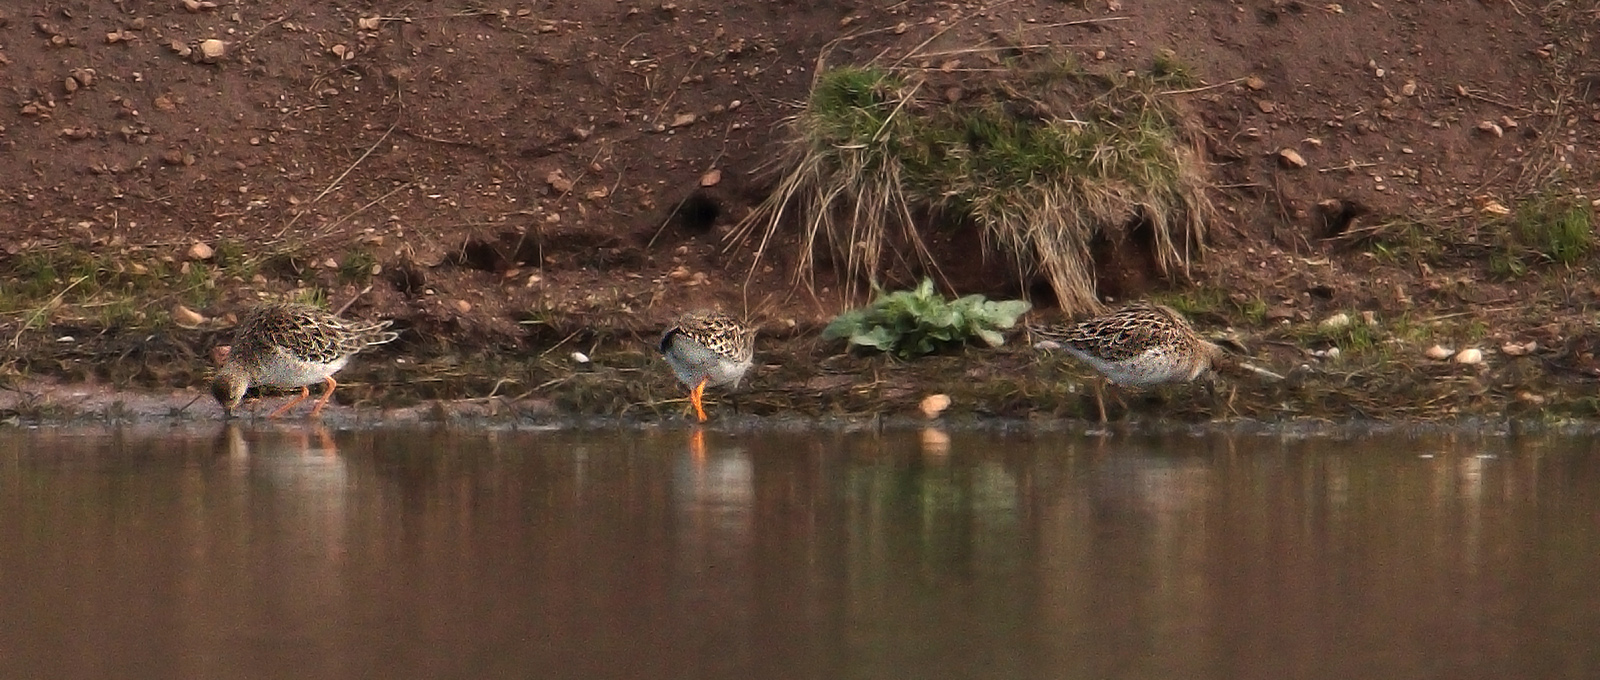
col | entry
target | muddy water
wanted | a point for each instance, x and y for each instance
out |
(302, 553)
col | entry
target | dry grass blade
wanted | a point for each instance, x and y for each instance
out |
(1043, 160)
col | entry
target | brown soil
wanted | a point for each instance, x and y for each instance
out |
(528, 178)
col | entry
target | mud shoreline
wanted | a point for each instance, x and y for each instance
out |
(796, 380)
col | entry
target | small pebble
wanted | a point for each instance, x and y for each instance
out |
(212, 49)
(1513, 349)
(183, 316)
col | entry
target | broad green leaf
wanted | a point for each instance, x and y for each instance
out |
(1005, 314)
(939, 316)
(845, 325)
(878, 338)
(992, 338)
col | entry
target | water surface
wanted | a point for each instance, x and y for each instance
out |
(300, 552)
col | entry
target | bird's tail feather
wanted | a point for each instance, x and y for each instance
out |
(375, 334)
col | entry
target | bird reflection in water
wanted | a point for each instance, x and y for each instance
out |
(722, 475)
(325, 445)
(232, 443)
(718, 492)
(697, 447)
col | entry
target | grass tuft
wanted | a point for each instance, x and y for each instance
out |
(1547, 228)
(357, 266)
(1166, 68)
(1043, 158)
(314, 297)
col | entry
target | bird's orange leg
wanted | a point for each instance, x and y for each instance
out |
(696, 397)
(317, 410)
(304, 392)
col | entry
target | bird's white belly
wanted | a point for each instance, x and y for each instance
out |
(1151, 367)
(691, 362)
(284, 370)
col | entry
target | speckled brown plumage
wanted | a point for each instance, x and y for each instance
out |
(1144, 344)
(1137, 345)
(306, 332)
(1140, 344)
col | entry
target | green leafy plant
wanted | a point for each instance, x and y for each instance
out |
(912, 323)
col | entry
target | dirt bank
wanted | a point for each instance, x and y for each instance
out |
(515, 182)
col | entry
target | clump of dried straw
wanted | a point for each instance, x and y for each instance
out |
(1041, 155)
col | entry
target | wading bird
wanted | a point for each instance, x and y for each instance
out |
(290, 345)
(708, 349)
(1141, 345)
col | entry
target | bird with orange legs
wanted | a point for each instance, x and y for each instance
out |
(708, 349)
(289, 345)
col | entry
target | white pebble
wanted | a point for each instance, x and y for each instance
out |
(1336, 322)
(1438, 353)
(1514, 349)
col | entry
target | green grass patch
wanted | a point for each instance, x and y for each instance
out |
(357, 266)
(1039, 154)
(234, 259)
(1549, 228)
(1195, 301)
(1403, 241)
(1355, 338)
(132, 288)
(313, 296)
(1167, 69)
(1254, 310)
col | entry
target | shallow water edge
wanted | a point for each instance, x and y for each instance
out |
(91, 407)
